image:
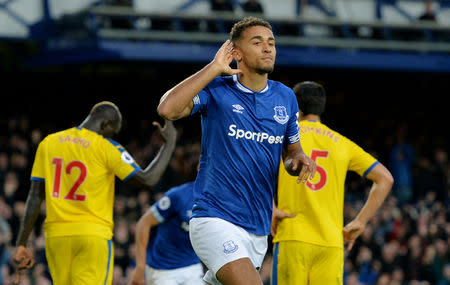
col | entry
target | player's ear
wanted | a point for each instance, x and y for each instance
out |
(237, 54)
(106, 125)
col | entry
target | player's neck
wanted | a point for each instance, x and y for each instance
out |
(253, 81)
(90, 124)
(310, 117)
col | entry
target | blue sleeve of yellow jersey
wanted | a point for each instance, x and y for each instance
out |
(361, 162)
(38, 170)
(120, 161)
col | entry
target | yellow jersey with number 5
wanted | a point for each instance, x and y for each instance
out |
(319, 203)
(79, 167)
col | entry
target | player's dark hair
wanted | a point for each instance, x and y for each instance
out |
(311, 97)
(245, 23)
(106, 110)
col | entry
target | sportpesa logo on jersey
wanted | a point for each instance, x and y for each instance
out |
(254, 136)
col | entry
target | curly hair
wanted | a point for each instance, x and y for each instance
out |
(247, 22)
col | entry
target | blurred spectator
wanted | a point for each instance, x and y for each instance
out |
(120, 22)
(398, 276)
(219, 25)
(118, 276)
(121, 244)
(428, 14)
(352, 279)
(4, 258)
(253, 6)
(390, 257)
(428, 271)
(10, 186)
(385, 279)
(428, 177)
(445, 275)
(221, 5)
(367, 273)
(401, 160)
(413, 258)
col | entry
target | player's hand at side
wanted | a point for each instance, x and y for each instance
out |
(224, 57)
(23, 260)
(168, 132)
(301, 165)
(277, 216)
(352, 231)
(138, 277)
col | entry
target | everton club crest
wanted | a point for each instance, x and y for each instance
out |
(281, 115)
(229, 247)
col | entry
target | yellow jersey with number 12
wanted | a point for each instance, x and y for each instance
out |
(79, 168)
(319, 203)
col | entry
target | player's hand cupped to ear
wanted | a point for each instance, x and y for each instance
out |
(224, 56)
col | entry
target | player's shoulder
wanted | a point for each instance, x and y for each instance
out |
(220, 82)
(181, 190)
(338, 136)
(280, 89)
(111, 142)
(56, 135)
(277, 85)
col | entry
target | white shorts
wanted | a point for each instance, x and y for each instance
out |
(189, 275)
(218, 242)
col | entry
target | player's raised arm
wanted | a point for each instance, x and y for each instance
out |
(177, 102)
(149, 176)
(297, 163)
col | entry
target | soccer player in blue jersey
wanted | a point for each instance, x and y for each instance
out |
(164, 255)
(248, 123)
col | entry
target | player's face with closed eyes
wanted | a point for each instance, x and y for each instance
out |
(256, 49)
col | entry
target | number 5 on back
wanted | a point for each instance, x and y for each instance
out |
(320, 170)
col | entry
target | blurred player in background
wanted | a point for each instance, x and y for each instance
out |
(74, 172)
(246, 121)
(164, 254)
(308, 229)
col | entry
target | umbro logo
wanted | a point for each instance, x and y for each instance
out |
(238, 108)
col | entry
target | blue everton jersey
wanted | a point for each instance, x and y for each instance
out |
(169, 246)
(243, 133)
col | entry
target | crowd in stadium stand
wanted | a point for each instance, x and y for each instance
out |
(407, 242)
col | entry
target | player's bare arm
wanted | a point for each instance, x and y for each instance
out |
(145, 223)
(177, 102)
(297, 163)
(22, 257)
(382, 184)
(148, 177)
